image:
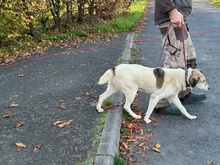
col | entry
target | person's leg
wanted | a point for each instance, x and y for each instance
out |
(175, 59)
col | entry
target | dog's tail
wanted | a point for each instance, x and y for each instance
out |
(106, 76)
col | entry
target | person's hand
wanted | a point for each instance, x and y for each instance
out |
(176, 18)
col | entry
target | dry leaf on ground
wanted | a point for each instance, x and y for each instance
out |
(88, 93)
(122, 150)
(62, 124)
(62, 107)
(157, 145)
(153, 120)
(139, 112)
(6, 116)
(12, 105)
(155, 149)
(125, 145)
(127, 136)
(147, 137)
(142, 144)
(132, 140)
(37, 147)
(20, 75)
(18, 144)
(19, 124)
(141, 131)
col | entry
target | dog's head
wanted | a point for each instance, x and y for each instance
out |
(197, 79)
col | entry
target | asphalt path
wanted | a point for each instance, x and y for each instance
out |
(60, 86)
(185, 142)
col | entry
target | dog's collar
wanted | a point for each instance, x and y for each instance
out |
(186, 76)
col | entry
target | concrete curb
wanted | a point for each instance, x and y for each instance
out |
(109, 144)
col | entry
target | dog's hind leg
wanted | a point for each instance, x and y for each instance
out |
(152, 103)
(129, 98)
(110, 91)
(183, 110)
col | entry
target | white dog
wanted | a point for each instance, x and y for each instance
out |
(159, 82)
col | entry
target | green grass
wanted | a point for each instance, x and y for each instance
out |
(96, 139)
(215, 2)
(118, 160)
(124, 22)
(134, 55)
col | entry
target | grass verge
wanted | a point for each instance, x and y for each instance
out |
(96, 139)
(78, 35)
(215, 2)
(125, 22)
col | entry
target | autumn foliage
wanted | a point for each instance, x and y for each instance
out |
(25, 20)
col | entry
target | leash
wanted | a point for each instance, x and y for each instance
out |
(184, 48)
(112, 106)
(164, 43)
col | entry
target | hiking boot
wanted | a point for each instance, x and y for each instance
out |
(169, 110)
(193, 97)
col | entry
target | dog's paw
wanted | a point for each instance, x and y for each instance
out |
(137, 117)
(191, 117)
(147, 120)
(100, 110)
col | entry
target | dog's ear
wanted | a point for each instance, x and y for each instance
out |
(193, 81)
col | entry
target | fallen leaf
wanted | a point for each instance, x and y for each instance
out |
(12, 105)
(132, 140)
(88, 93)
(62, 124)
(18, 144)
(122, 150)
(157, 145)
(139, 112)
(6, 116)
(19, 124)
(131, 160)
(127, 136)
(141, 131)
(37, 147)
(153, 120)
(20, 75)
(162, 117)
(57, 122)
(123, 123)
(125, 145)
(147, 137)
(142, 144)
(95, 97)
(155, 149)
(62, 107)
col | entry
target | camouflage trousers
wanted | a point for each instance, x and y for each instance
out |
(175, 53)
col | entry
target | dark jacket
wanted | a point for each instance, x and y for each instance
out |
(162, 8)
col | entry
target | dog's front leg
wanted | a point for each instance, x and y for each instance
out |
(183, 110)
(152, 103)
